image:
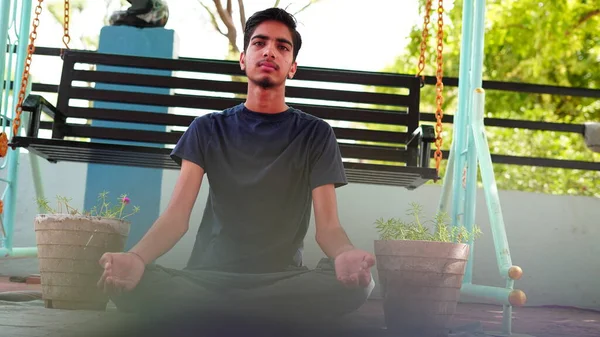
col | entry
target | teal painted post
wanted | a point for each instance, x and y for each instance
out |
(470, 147)
(142, 185)
(460, 120)
(5, 71)
(481, 148)
(10, 198)
(487, 169)
(4, 24)
(495, 214)
(487, 293)
(447, 183)
(478, 47)
(24, 31)
(472, 162)
(18, 252)
(491, 191)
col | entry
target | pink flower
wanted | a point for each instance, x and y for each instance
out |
(125, 200)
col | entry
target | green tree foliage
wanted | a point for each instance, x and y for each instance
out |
(555, 42)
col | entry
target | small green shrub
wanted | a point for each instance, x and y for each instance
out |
(398, 229)
(104, 208)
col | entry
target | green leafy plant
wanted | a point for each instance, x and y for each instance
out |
(104, 209)
(398, 229)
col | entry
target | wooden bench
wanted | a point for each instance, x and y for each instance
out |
(394, 150)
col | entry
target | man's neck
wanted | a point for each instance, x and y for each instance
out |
(271, 100)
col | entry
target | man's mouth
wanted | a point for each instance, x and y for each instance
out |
(268, 65)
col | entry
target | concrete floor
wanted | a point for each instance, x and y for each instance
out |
(31, 319)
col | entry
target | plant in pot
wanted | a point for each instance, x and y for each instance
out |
(71, 242)
(421, 269)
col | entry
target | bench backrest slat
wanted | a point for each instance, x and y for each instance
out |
(348, 150)
(232, 68)
(171, 138)
(171, 82)
(131, 116)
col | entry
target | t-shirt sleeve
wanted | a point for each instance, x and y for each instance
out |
(193, 143)
(327, 164)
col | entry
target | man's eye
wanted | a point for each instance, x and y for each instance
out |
(258, 43)
(284, 48)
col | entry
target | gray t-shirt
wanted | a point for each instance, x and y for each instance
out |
(261, 169)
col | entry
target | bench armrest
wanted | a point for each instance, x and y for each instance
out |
(424, 133)
(37, 104)
(421, 139)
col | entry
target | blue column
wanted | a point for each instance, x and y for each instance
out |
(142, 185)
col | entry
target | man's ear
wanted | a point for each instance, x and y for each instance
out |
(242, 61)
(292, 71)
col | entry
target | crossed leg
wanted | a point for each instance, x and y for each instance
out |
(297, 296)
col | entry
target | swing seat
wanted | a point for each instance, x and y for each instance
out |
(394, 151)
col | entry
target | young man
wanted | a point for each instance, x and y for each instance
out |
(267, 164)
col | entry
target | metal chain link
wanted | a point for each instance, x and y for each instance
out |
(424, 38)
(30, 50)
(3, 145)
(2, 230)
(439, 87)
(66, 36)
(25, 79)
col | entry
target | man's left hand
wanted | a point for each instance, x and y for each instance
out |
(353, 267)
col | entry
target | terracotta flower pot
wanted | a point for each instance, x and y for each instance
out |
(69, 249)
(420, 284)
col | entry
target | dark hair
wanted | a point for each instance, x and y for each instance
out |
(276, 14)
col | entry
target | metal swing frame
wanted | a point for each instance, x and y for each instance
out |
(8, 18)
(469, 152)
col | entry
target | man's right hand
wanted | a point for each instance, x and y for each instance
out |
(122, 271)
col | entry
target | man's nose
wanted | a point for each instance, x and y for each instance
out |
(268, 51)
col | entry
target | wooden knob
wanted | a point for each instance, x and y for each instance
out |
(515, 272)
(517, 298)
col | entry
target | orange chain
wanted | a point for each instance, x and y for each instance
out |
(24, 81)
(2, 231)
(66, 36)
(424, 38)
(30, 49)
(3, 145)
(439, 86)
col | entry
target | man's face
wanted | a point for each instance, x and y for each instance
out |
(268, 60)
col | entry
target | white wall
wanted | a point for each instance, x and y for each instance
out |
(555, 239)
